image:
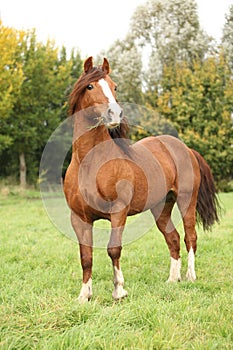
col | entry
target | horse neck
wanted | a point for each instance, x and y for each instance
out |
(85, 138)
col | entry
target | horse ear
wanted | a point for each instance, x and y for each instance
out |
(88, 64)
(105, 66)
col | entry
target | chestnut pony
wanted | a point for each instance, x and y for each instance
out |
(110, 179)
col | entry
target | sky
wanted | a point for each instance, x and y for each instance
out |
(93, 25)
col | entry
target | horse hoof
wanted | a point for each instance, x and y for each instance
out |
(82, 299)
(191, 275)
(119, 295)
(173, 280)
(190, 278)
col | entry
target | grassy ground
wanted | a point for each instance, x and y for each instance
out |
(40, 278)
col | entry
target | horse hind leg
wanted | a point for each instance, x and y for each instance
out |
(166, 226)
(187, 207)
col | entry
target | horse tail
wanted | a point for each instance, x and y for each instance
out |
(207, 201)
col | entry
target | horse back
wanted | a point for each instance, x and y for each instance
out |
(177, 160)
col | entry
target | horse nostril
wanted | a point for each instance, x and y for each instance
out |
(109, 112)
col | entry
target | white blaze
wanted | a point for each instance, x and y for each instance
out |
(113, 105)
(107, 91)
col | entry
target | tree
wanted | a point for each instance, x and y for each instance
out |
(40, 105)
(11, 77)
(73, 67)
(170, 31)
(126, 66)
(227, 38)
(199, 103)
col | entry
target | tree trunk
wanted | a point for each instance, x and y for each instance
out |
(22, 170)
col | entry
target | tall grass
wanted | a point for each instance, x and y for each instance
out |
(40, 278)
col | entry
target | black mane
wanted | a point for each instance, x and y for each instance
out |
(122, 131)
(120, 135)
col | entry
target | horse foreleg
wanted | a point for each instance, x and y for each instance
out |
(114, 251)
(84, 234)
(86, 262)
(119, 292)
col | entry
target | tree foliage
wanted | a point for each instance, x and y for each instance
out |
(126, 66)
(166, 67)
(11, 76)
(169, 30)
(39, 104)
(198, 101)
(227, 38)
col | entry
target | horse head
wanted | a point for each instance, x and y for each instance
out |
(95, 93)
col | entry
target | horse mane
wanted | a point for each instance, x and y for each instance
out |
(122, 131)
(120, 136)
(94, 74)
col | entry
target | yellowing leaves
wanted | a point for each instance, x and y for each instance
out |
(11, 76)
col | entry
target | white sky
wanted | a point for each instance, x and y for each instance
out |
(93, 25)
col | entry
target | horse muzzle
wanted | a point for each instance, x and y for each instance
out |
(113, 116)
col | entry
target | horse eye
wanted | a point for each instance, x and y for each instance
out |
(90, 87)
(115, 88)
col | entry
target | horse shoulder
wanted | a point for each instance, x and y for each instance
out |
(112, 175)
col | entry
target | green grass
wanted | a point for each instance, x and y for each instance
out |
(40, 277)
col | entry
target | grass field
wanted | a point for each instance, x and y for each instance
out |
(40, 278)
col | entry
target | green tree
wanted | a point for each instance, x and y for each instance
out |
(199, 103)
(40, 105)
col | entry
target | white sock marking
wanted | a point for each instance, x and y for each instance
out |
(191, 274)
(86, 292)
(119, 292)
(175, 270)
